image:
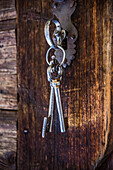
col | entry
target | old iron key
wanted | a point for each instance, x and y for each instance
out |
(47, 123)
(54, 83)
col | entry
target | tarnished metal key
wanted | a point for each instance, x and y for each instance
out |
(56, 85)
(47, 123)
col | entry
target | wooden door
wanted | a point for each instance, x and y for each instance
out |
(85, 88)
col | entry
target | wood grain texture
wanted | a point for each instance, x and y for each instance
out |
(7, 4)
(8, 86)
(8, 71)
(8, 138)
(85, 89)
(7, 131)
(7, 15)
(107, 162)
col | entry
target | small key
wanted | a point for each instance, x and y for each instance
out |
(47, 123)
(56, 85)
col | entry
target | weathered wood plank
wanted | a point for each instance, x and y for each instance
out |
(8, 138)
(7, 14)
(7, 39)
(8, 25)
(7, 131)
(8, 71)
(107, 53)
(8, 86)
(7, 4)
(106, 162)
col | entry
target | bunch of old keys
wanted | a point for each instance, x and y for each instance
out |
(54, 76)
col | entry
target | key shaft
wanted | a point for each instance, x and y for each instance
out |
(51, 107)
(59, 107)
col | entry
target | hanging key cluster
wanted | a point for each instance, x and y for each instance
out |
(54, 76)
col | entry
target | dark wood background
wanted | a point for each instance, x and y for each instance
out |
(86, 89)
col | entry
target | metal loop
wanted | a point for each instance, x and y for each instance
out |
(47, 33)
(63, 59)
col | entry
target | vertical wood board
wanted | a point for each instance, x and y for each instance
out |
(85, 89)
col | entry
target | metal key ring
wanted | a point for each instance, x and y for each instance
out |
(53, 48)
(47, 33)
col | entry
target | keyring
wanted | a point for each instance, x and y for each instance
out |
(47, 33)
(53, 48)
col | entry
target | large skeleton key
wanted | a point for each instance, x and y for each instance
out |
(56, 85)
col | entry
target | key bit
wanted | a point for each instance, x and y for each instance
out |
(46, 125)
